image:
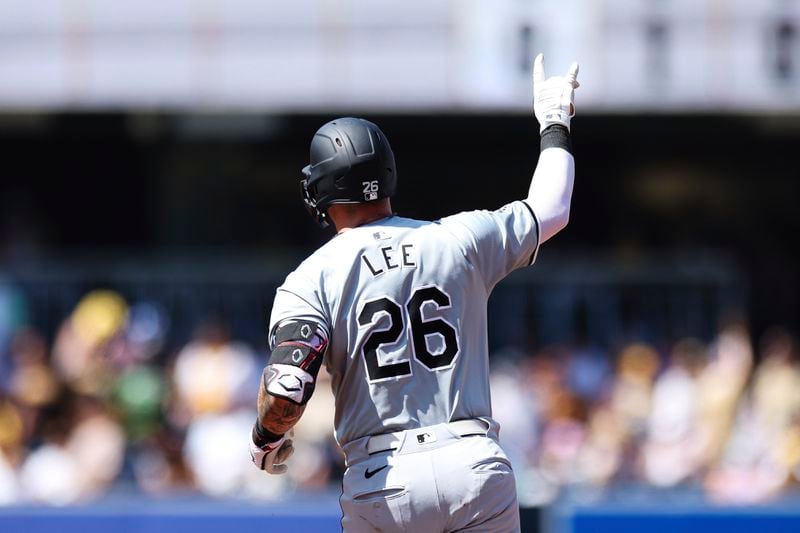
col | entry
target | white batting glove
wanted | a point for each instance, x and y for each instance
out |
(553, 97)
(271, 457)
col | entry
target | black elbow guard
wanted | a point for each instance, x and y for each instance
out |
(295, 360)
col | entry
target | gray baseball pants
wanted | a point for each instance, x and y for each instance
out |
(436, 480)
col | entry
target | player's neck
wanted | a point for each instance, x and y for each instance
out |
(349, 216)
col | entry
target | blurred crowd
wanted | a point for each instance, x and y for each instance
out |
(107, 405)
(716, 417)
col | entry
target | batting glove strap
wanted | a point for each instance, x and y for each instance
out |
(271, 457)
(262, 437)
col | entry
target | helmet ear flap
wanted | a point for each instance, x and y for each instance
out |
(309, 199)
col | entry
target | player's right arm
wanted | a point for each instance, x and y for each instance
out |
(298, 339)
(551, 187)
(287, 383)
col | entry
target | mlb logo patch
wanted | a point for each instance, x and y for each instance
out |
(425, 438)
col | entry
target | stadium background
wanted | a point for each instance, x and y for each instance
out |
(645, 371)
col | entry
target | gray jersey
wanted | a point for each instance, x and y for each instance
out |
(404, 305)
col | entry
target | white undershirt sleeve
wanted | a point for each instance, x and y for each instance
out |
(551, 190)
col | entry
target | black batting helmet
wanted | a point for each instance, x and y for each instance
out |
(351, 162)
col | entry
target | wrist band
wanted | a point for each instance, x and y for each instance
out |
(556, 136)
(262, 437)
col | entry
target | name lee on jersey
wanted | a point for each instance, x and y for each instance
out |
(388, 258)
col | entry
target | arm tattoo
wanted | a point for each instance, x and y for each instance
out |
(277, 415)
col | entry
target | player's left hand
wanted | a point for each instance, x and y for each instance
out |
(271, 456)
(553, 98)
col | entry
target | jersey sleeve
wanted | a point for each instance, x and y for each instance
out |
(498, 242)
(298, 299)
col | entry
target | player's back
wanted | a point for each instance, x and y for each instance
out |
(408, 318)
(404, 302)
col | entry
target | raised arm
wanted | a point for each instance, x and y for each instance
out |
(551, 187)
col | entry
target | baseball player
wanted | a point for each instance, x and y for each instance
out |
(396, 309)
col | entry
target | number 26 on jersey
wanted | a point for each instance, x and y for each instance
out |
(418, 327)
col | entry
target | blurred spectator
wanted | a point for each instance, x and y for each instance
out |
(12, 316)
(142, 388)
(516, 410)
(563, 416)
(562, 439)
(50, 475)
(213, 374)
(79, 354)
(215, 454)
(32, 383)
(8, 482)
(632, 390)
(139, 396)
(720, 386)
(159, 465)
(601, 456)
(12, 432)
(97, 444)
(318, 456)
(776, 384)
(755, 469)
(588, 371)
(80, 457)
(672, 451)
(215, 382)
